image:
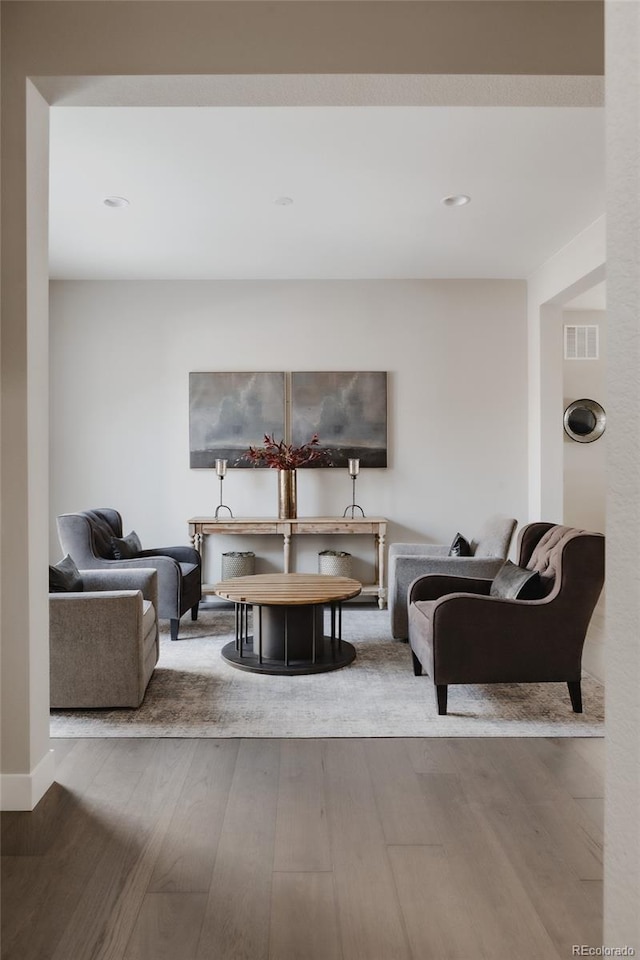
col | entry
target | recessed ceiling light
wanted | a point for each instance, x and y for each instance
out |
(284, 201)
(116, 202)
(456, 200)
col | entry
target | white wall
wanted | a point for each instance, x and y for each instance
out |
(455, 351)
(585, 464)
(622, 824)
(575, 268)
(585, 469)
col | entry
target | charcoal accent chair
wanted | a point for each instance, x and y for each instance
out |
(410, 560)
(87, 536)
(103, 640)
(458, 633)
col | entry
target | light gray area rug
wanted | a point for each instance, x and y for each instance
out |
(195, 693)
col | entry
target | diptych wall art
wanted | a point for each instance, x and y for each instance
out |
(348, 411)
(228, 412)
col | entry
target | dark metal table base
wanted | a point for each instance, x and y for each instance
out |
(288, 640)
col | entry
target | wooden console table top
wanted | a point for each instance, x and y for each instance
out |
(295, 524)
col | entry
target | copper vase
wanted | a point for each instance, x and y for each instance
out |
(287, 495)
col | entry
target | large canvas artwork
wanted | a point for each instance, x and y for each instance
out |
(348, 411)
(228, 412)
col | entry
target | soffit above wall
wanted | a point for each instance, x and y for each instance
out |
(532, 37)
(593, 299)
(316, 90)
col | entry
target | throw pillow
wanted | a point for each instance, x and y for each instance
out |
(516, 583)
(460, 547)
(64, 577)
(127, 547)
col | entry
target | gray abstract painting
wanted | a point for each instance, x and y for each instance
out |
(348, 411)
(228, 412)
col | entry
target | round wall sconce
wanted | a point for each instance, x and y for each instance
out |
(585, 420)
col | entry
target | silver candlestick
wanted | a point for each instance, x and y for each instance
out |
(221, 471)
(354, 470)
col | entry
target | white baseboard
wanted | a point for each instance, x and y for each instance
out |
(22, 791)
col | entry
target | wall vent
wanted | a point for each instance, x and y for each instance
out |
(581, 342)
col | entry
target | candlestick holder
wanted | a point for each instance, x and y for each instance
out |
(354, 470)
(221, 471)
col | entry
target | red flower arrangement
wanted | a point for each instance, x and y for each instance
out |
(284, 456)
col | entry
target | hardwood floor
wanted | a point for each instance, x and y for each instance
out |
(386, 849)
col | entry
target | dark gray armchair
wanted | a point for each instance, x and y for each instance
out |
(87, 538)
(410, 560)
(459, 633)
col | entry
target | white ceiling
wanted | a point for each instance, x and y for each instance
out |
(366, 185)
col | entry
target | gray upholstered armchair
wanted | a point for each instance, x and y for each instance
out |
(407, 561)
(87, 537)
(103, 639)
(459, 633)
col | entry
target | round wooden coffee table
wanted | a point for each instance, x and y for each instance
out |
(288, 622)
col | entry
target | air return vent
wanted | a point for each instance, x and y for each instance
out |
(580, 342)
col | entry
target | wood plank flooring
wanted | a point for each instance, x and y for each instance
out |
(384, 849)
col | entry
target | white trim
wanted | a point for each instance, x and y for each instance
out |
(22, 791)
(227, 90)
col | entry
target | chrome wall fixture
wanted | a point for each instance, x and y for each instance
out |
(221, 471)
(584, 420)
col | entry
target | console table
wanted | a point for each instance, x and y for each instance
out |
(202, 527)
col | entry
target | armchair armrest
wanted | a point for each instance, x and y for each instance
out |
(144, 579)
(84, 598)
(479, 567)
(95, 618)
(180, 554)
(418, 550)
(435, 585)
(169, 579)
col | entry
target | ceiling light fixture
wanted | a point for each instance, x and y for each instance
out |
(116, 202)
(284, 201)
(456, 200)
